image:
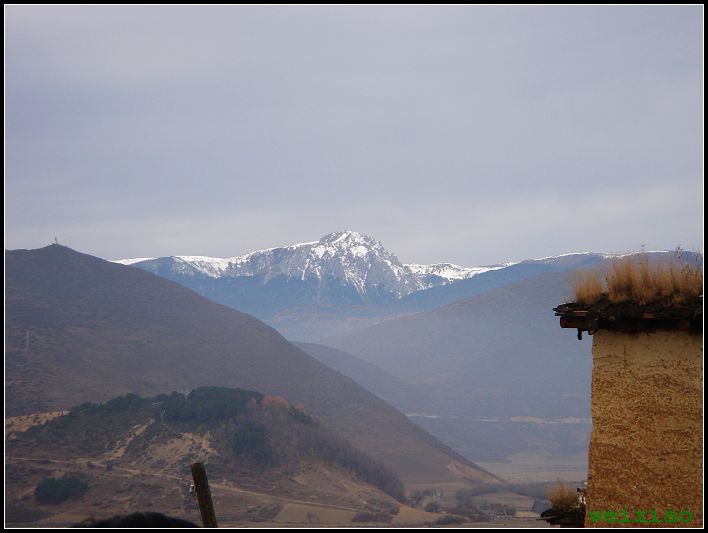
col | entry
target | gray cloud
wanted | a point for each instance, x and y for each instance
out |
(465, 134)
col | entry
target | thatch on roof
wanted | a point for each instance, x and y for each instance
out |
(634, 278)
(633, 293)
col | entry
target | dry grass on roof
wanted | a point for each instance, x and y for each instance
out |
(635, 279)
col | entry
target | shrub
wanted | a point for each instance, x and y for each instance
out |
(563, 498)
(366, 516)
(127, 403)
(276, 402)
(432, 507)
(381, 506)
(449, 519)
(298, 413)
(251, 442)
(206, 404)
(52, 490)
(363, 516)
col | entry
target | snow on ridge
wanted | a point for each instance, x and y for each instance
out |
(241, 258)
(451, 272)
(349, 258)
(571, 254)
(131, 261)
(604, 255)
(201, 258)
(211, 266)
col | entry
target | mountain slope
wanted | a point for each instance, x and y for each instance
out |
(82, 329)
(501, 375)
(498, 308)
(261, 454)
(504, 341)
(392, 390)
(242, 434)
(503, 378)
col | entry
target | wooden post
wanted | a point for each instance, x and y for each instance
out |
(201, 486)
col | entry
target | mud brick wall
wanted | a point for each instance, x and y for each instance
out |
(646, 441)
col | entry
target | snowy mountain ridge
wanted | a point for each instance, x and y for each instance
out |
(450, 272)
(348, 257)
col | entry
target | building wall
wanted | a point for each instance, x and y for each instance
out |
(646, 441)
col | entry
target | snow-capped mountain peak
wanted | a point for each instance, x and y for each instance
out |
(346, 258)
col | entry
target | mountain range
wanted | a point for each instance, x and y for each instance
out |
(352, 261)
(341, 282)
(81, 329)
(473, 355)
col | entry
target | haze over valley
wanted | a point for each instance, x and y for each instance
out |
(310, 257)
(468, 353)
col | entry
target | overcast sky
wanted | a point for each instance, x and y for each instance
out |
(464, 134)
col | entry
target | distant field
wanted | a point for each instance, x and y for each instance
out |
(511, 522)
(300, 514)
(517, 501)
(532, 466)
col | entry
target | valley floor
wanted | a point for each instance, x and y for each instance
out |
(528, 467)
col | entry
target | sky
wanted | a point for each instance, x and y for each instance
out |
(463, 134)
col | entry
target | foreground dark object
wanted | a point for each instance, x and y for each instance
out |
(572, 518)
(201, 485)
(138, 520)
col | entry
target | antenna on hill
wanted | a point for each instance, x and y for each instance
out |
(56, 241)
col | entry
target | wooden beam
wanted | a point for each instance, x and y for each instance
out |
(574, 322)
(201, 486)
